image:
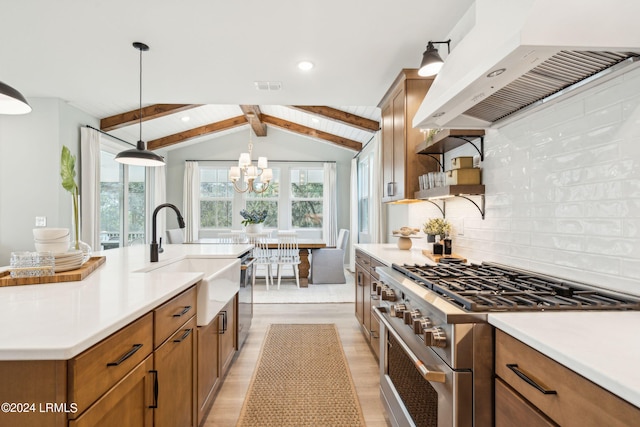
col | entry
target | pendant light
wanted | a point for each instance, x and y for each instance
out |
(140, 156)
(431, 60)
(12, 101)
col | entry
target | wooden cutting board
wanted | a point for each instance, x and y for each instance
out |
(64, 276)
(436, 258)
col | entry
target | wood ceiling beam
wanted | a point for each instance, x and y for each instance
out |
(314, 133)
(340, 117)
(253, 113)
(196, 132)
(148, 113)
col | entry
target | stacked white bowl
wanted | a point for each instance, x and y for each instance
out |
(56, 240)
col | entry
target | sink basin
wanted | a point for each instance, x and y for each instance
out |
(220, 283)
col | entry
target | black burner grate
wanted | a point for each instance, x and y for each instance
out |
(488, 287)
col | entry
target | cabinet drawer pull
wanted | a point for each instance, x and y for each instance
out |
(224, 321)
(127, 355)
(525, 378)
(155, 389)
(184, 336)
(183, 312)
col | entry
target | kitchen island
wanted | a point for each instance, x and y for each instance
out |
(60, 320)
(118, 344)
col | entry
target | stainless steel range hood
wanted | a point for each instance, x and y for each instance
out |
(522, 53)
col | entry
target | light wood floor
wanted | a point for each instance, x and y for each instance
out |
(363, 366)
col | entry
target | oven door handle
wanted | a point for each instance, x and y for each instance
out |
(434, 376)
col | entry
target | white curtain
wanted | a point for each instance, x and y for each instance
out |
(329, 205)
(157, 196)
(90, 186)
(191, 200)
(376, 214)
(353, 214)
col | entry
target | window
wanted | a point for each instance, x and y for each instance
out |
(122, 202)
(216, 198)
(267, 200)
(363, 194)
(306, 198)
(294, 199)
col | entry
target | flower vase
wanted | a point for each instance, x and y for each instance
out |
(254, 228)
(77, 243)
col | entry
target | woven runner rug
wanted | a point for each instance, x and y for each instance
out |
(302, 379)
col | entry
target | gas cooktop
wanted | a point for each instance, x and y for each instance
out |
(493, 287)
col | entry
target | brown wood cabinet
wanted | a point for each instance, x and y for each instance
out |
(228, 334)
(530, 385)
(217, 345)
(114, 382)
(175, 359)
(208, 366)
(128, 404)
(401, 166)
(366, 297)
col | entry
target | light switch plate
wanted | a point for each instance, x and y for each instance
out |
(41, 221)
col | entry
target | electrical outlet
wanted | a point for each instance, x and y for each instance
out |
(41, 221)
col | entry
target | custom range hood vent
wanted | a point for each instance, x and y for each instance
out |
(521, 55)
(561, 71)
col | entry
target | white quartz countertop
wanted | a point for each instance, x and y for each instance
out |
(603, 347)
(60, 320)
(389, 254)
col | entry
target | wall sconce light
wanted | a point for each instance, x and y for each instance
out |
(431, 60)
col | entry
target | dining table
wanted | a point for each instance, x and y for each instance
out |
(304, 245)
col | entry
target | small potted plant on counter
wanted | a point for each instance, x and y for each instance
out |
(436, 227)
(253, 220)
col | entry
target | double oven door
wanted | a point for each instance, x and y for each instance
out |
(417, 387)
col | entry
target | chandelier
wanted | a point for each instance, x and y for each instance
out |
(250, 172)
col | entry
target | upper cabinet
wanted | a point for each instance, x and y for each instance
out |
(401, 166)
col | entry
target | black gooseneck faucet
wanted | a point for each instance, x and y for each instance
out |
(154, 242)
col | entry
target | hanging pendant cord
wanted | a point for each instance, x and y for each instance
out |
(140, 114)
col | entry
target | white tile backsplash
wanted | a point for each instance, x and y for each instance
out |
(562, 190)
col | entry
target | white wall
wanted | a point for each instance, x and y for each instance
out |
(277, 145)
(30, 184)
(562, 191)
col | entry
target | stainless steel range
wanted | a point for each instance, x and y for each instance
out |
(436, 351)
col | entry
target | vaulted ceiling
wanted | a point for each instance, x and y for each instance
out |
(341, 127)
(216, 55)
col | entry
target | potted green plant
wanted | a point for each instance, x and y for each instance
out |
(436, 227)
(253, 220)
(68, 175)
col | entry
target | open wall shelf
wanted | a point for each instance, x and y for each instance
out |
(448, 139)
(449, 191)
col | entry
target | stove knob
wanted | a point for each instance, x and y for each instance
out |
(410, 316)
(435, 337)
(422, 324)
(388, 295)
(398, 309)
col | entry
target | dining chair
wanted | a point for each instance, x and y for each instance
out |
(263, 257)
(327, 264)
(288, 254)
(175, 235)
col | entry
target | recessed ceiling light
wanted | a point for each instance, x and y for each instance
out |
(185, 119)
(305, 65)
(315, 120)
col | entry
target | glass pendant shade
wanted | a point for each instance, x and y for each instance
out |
(12, 101)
